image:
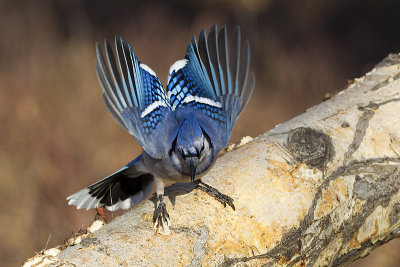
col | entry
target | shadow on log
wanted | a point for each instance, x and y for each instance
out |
(320, 189)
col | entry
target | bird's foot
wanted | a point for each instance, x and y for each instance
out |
(222, 198)
(161, 221)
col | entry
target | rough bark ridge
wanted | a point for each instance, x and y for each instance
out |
(320, 189)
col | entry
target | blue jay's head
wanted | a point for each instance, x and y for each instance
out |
(192, 151)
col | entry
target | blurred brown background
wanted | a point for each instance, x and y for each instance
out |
(57, 137)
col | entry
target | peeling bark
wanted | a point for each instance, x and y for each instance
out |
(319, 190)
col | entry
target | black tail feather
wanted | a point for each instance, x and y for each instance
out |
(118, 191)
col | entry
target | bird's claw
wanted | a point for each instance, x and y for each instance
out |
(222, 198)
(225, 199)
(161, 221)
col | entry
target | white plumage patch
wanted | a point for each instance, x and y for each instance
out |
(125, 204)
(151, 107)
(148, 69)
(169, 93)
(176, 66)
(203, 100)
(83, 200)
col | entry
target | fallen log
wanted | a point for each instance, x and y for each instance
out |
(320, 189)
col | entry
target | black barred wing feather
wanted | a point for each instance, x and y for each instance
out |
(135, 97)
(214, 81)
(186, 89)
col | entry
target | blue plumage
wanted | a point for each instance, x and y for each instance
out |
(181, 131)
(184, 91)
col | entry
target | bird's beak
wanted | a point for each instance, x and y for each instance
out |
(192, 164)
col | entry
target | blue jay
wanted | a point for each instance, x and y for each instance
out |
(182, 130)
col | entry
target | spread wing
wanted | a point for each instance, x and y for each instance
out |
(135, 98)
(214, 81)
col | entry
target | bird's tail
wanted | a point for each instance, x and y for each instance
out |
(130, 185)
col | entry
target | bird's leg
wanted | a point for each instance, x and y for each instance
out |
(161, 219)
(224, 199)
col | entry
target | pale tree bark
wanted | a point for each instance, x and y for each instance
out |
(320, 189)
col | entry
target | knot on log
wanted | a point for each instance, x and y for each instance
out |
(310, 146)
